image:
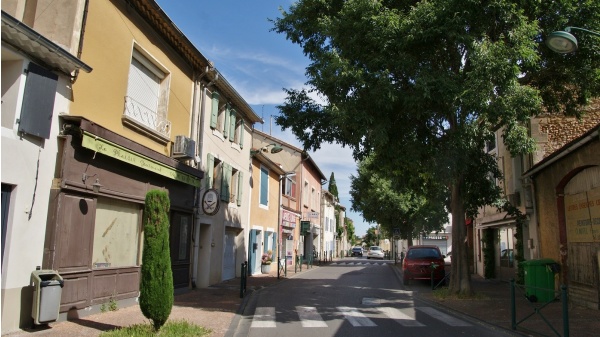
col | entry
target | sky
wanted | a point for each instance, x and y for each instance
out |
(259, 63)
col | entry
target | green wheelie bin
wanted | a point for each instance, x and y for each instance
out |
(539, 279)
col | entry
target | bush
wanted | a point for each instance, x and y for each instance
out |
(156, 288)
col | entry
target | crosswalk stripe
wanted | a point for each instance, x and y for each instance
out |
(310, 317)
(400, 317)
(264, 317)
(450, 320)
(355, 317)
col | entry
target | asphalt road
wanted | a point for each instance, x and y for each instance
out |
(350, 297)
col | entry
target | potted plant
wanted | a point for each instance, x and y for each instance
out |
(266, 260)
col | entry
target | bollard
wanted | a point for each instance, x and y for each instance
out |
(565, 309)
(513, 313)
(278, 267)
(243, 279)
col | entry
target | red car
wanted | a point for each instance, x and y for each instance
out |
(418, 261)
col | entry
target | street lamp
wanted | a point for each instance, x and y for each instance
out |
(564, 42)
(275, 149)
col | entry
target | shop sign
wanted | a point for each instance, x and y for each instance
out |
(121, 153)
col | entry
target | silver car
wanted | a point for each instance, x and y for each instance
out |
(375, 252)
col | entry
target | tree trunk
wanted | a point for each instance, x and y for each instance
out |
(460, 279)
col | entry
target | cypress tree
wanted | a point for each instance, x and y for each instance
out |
(333, 187)
(156, 289)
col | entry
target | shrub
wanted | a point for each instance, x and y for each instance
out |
(156, 289)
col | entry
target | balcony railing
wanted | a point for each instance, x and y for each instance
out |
(146, 118)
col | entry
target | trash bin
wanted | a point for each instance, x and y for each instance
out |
(539, 279)
(47, 290)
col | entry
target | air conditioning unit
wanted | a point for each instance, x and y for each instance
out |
(184, 147)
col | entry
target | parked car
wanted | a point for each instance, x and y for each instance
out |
(375, 252)
(418, 262)
(357, 251)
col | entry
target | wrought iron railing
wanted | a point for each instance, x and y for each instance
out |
(146, 117)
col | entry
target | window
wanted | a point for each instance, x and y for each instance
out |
(264, 187)
(236, 186)
(147, 96)
(117, 234)
(237, 130)
(223, 177)
(507, 245)
(288, 187)
(305, 194)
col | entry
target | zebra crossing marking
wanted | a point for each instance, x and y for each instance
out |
(264, 317)
(450, 320)
(355, 317)
(400, 317)
(310, 318)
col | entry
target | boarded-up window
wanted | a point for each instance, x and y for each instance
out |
(117, 234)
(38, 101)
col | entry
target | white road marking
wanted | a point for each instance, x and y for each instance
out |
(450, 320)
(310, 317)
(355, 317)
(400, 317)
(264, 317)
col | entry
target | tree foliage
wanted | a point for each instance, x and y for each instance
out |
(423, 84)
(350, 230)
(156, 288)
(391, 201)
(332, 188)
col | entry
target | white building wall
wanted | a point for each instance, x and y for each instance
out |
(28, 166)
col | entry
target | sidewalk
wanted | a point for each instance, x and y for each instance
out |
(215, 308)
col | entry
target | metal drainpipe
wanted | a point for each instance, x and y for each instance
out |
(199, 134)
(80, 47)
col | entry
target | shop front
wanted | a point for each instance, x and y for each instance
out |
(94, 236)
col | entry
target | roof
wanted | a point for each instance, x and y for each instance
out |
(307, 157)
(161, 22)
(24, 39)
(593, 133)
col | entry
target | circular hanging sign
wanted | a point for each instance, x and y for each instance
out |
(210, 202)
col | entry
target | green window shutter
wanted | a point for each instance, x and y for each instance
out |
(210, 168)
(226, 124)
(232, 122)
(240, 188)
(214, 111)
(226, 182)
(242, 133)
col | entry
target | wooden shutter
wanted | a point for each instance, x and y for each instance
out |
(264, 186)
(242, 128)
(226, 122)
(232, 122)
(226, 182)
(240, 188)
(38, 101)
(210, 168)
(214, 112)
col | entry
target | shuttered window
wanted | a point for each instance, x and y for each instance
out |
(38, 101)
(214, 110)
(264, 187)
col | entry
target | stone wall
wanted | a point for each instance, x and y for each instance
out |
(561, 130)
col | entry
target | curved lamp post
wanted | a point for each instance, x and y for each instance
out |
(564, 42)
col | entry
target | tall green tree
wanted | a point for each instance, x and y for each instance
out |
(392, 202)
(332, 188)
(156, 288)
(424, 83)
(350, 230)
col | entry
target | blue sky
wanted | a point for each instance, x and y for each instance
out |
(259, 63)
